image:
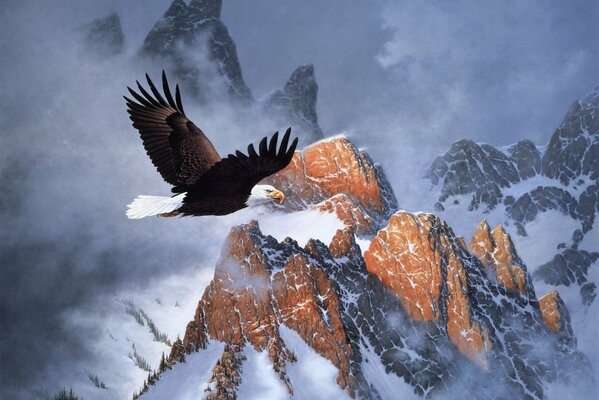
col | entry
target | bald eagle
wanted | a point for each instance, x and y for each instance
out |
(203, 182)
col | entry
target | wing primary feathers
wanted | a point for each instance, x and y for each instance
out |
(252, 151)
(155, 91)
(262, 147)
(240, 155)
(147, 95)
(139, 98)
(284, 142)
(178, 97)
(167, 91)
(272, 146)
(291, 150)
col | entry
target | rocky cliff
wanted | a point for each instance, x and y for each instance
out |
(523, 183)
(295, 104)
(392, 288)
(187, 31)
(193, 42)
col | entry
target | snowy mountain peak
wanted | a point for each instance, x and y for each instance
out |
(553, 194)
(409, 305)
(200, 50)
(573, 150)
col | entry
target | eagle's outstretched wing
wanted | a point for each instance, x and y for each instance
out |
(177, 147)
(237, 173)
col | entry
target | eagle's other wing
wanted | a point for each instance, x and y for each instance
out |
(238, 173)
(177, 147)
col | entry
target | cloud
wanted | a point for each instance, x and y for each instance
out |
(405, 79)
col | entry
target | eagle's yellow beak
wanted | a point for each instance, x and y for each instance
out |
(277, 194)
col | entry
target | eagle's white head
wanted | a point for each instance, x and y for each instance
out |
(263, 193)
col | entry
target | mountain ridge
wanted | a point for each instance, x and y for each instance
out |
(477, 314)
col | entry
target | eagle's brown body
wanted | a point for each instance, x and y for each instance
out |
(186, 158)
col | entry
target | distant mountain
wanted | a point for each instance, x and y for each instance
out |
(104, 36)
(522, 183)
(186, 31)
(295, 104)
(394, 294)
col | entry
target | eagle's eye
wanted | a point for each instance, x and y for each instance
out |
(268, 190)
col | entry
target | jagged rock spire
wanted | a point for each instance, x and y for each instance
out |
(296, 102)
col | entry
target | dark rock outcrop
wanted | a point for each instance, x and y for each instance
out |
(544, 198)
(296, 103)
(574, 147)
(527, 158)
(104, 36)
(570, 266)
(183, 35)
(472, 168)
(570, 158)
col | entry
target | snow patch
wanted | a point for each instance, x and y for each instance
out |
(312, 376)
(188, 380)
(363, 243)
(301, 226)
(389, 386)
(169, 302)
(258, 378)
(590, 242)
(544, 234)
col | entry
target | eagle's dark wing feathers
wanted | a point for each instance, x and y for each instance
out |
(238, 173)
(177, 147)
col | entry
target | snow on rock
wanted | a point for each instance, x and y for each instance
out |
(188, 31)
(312, 376)
(333, 167)
(301, 226)
(417, 257)
(415, 309)
(125, 347)
(547, 197)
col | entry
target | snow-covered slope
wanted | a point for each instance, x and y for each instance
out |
(414, 309)
(549, 208)
(547, 197)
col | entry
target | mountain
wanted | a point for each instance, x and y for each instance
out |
(395, 301)
(296, 102)
(104, 36)
(183, 34)
(193, 40)
(524, 186)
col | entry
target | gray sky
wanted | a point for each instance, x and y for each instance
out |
(404, 79)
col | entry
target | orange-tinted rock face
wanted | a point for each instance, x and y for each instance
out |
(557, 318)
(495, 249)
(308, 304)
(245, 304)
(550, 309)
(332, 167)
(236, 305)
(350, 212)
(410, 256)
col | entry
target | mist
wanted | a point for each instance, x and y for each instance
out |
(402, 79)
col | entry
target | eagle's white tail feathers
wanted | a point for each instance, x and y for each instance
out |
(146, 206)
